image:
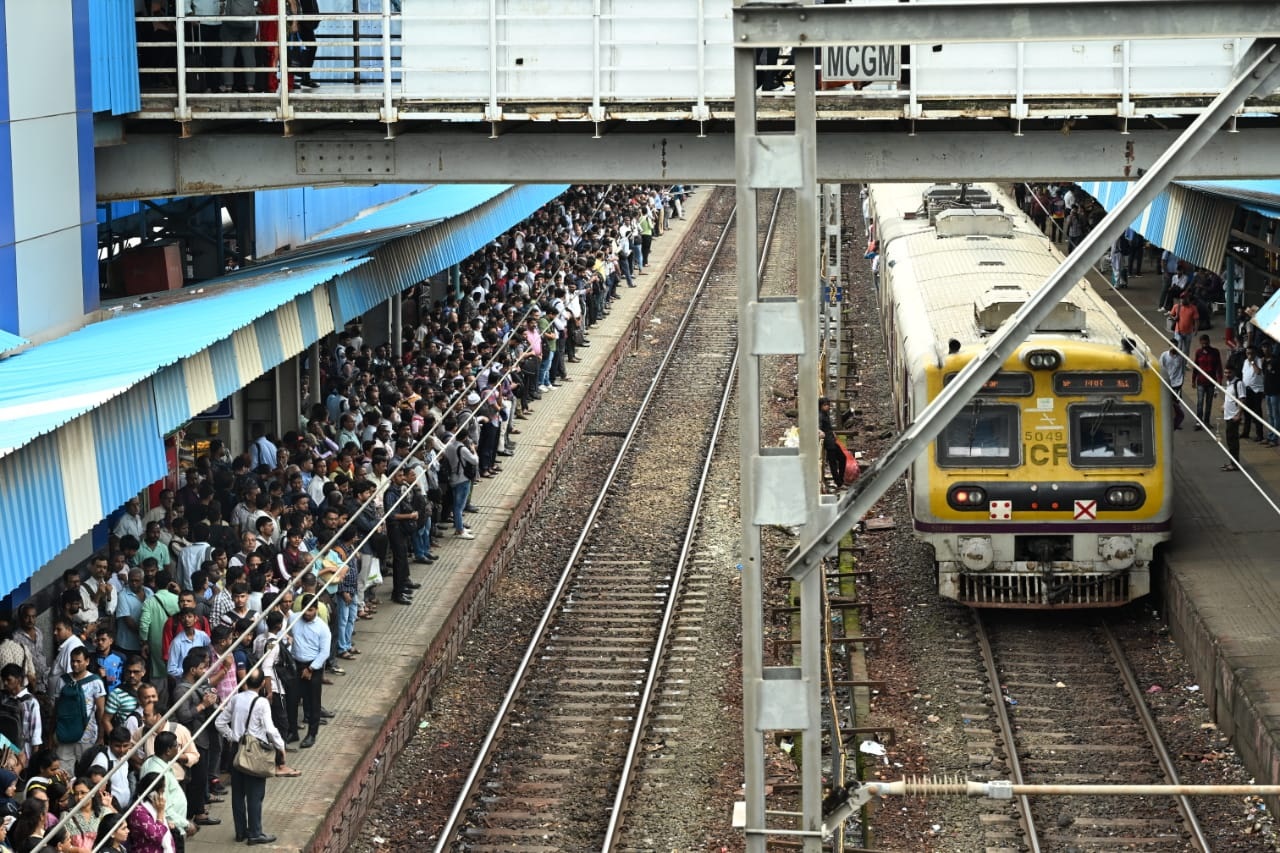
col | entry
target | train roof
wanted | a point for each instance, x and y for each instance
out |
(966, 271)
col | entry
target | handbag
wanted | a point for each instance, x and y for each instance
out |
(254, 757)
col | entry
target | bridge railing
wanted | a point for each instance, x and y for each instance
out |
(492, 60)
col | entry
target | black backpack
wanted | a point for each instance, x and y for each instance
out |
(11, 720)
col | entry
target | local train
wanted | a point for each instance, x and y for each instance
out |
(1050, 488)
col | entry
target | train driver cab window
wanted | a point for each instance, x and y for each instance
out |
(983, 434)
(1110, 434)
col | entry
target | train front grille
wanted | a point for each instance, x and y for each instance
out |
(1036, 590)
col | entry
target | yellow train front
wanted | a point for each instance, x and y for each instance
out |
(1049, 490)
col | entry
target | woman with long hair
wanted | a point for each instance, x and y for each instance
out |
(114, 830)
(148, 833)
(83, 822)
(29, 828)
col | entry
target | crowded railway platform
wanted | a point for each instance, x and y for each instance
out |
(377, 700)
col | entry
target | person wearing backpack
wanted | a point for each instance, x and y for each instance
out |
(20, 720)
(80, 709)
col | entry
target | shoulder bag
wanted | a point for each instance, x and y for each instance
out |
(254, 757)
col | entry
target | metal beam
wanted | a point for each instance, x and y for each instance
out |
(1261, 67)
(163, 165)
(766, 25)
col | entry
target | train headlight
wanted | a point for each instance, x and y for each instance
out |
(967, 497)
(976, 552)
(1044, 359)
(1117, 552)
(1124, 497)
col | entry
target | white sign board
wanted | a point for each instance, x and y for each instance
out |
(861, 63)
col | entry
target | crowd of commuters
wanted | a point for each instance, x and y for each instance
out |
(235, 599)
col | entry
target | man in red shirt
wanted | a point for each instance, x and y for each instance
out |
(1209, 362)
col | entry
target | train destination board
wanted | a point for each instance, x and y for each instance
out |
(1003, 384)
(1098, 382)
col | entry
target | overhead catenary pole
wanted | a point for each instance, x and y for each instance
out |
(748, 443)
(1257, 72)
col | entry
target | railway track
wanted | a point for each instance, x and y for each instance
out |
(556, 765)
(1064, 707)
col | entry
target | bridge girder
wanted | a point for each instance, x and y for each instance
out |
(163, 164)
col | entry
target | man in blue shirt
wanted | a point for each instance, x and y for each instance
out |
(311, 638)
(128, 611)
(189, 638)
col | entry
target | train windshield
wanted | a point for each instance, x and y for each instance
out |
(1110, 434)
(982, 434)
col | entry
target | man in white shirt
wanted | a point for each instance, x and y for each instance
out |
(249, 712)
(130, 524)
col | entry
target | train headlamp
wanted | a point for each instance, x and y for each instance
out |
(1124, 496)
(967, 497)
(1043, 359)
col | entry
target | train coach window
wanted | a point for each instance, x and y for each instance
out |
(1107, 435)
(982, 435)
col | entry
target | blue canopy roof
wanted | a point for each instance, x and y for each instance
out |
(50, 384)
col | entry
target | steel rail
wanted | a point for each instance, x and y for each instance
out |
(657, 662)
(1132, 687)
(540, 632)
(1006, 731)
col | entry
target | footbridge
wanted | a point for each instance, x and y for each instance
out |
(417, 91)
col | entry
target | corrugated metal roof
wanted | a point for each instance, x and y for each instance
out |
(49, 385)
(427, 206)
(1193, 220)
(406, 260)
(292, 217)
(114, 50)
(1259, 196)
(1198, 226)
(10, 341)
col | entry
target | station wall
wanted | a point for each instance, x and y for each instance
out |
(48, 216)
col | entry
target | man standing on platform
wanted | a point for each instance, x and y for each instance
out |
(1209, 360)
(401, 520)
(311, 638)
(1174, 368)
(249, 712)
(1232, 415)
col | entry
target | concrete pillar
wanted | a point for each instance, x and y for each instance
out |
(317, 393)
(288, 396)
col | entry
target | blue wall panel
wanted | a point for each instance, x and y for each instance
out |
(291, 217)
(113, 59)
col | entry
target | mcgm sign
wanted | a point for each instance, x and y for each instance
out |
(858, 63)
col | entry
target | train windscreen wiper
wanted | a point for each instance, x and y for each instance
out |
(973, 423)
(1107, 405)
